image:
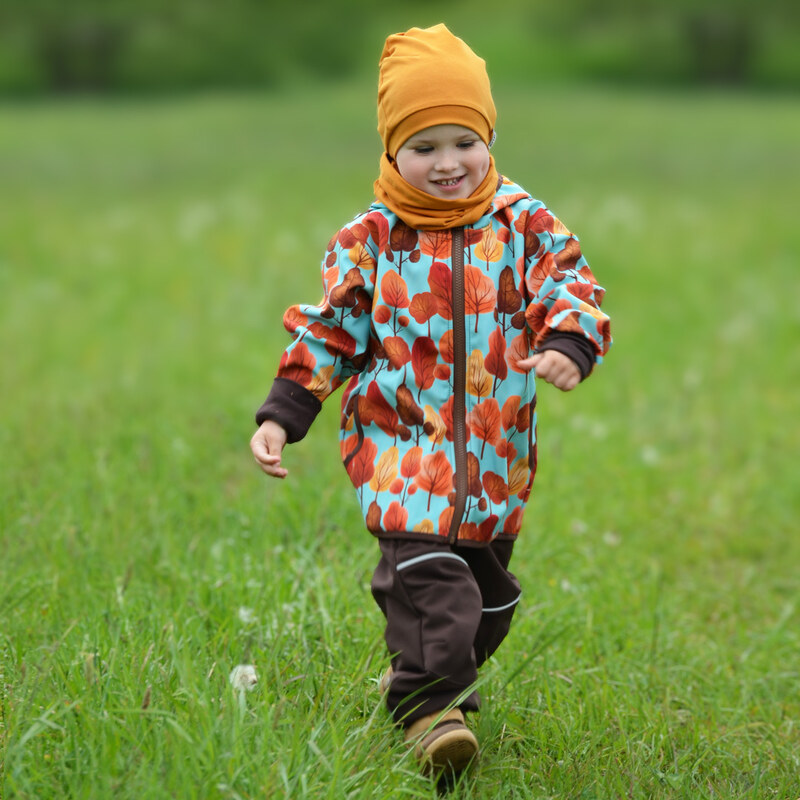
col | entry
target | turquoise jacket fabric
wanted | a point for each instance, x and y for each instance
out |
(438, 428)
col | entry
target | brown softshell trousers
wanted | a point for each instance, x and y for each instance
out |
(447, 609)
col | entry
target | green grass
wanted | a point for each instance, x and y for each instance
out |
(147, 251)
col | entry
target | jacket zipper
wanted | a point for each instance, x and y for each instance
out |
(459, 384)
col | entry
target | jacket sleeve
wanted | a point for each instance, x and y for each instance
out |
(563, 311)
(330, 341)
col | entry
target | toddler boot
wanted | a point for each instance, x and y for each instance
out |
(442, 742)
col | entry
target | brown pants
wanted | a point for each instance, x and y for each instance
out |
(447, 609)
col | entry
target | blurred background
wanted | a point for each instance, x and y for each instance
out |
(112, 46)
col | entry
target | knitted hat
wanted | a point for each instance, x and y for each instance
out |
(428, 77)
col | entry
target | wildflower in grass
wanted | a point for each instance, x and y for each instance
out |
(650, 456)
(247, 615)
(612, 539)
(243, 678)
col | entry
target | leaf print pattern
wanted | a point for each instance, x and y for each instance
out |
(435, 475)
(386, 324)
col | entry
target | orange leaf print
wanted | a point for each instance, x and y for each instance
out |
(473, 475)
(373, 407)
(381, 314)
(479, 292)
(435, 244)
(518, 350)
(446, 346)
(479, 381)
(446, 413)
(539, 273)
(435, 476)
(426, 526)
(489, 248)
(468, 530)
(486, 528)
(484, 422)
(440, 280)
(321, 384)
(297, 364)
(394, 291)
(568, 257)
(378, 228)
(360, 257)
(508, 415)
(374, 517)
(514, 521)
(395, 518)
(583, 291)
(435, 427)
(423, 306)
(524, 416)
(496, 487)
(385, 471)
(506, 450)
(518, 476)
(495, 362)
(338, 342)
(397, 351)
(294, 319)
(360, 464)
(423, 360)
(445, 520)
(442, 372)
(411, 462)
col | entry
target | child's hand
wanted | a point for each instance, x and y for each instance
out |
(267, 443)
(555, 368)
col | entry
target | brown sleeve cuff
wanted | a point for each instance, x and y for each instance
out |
(573, 345)
(292, 406)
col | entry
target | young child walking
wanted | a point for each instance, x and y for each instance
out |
(442, 303)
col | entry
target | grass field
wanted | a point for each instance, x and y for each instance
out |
(147, 251)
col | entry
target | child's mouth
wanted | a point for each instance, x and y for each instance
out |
(448, 184)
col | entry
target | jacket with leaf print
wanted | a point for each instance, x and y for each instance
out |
(438, 427)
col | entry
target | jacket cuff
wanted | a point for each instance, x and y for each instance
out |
(292, 406)
(573, 345)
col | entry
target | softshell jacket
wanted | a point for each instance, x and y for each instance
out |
(438, 427)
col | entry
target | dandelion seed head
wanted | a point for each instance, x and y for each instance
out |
(243, 677)
(612, 539)
(247, 615)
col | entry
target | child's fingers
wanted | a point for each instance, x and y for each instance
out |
(273, 469)
(529, 363)
(271, 464)
(267, 454)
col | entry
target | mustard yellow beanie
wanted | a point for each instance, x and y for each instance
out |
(428, 76)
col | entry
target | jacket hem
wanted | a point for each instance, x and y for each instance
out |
(435, 538)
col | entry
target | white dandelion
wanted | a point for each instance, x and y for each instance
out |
(243, 678)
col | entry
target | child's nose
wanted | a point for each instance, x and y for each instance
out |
(448, 159)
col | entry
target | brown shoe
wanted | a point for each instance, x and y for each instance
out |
(442, 742)
(386, 679)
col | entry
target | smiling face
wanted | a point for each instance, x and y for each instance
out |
(447, 161)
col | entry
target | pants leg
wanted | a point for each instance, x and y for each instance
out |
(500, 593)
(447, 609)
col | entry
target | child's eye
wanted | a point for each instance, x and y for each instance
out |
(423, 150)
(466, 145)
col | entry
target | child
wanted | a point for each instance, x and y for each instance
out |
(441, 302)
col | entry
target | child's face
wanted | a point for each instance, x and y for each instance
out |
(448, 161)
